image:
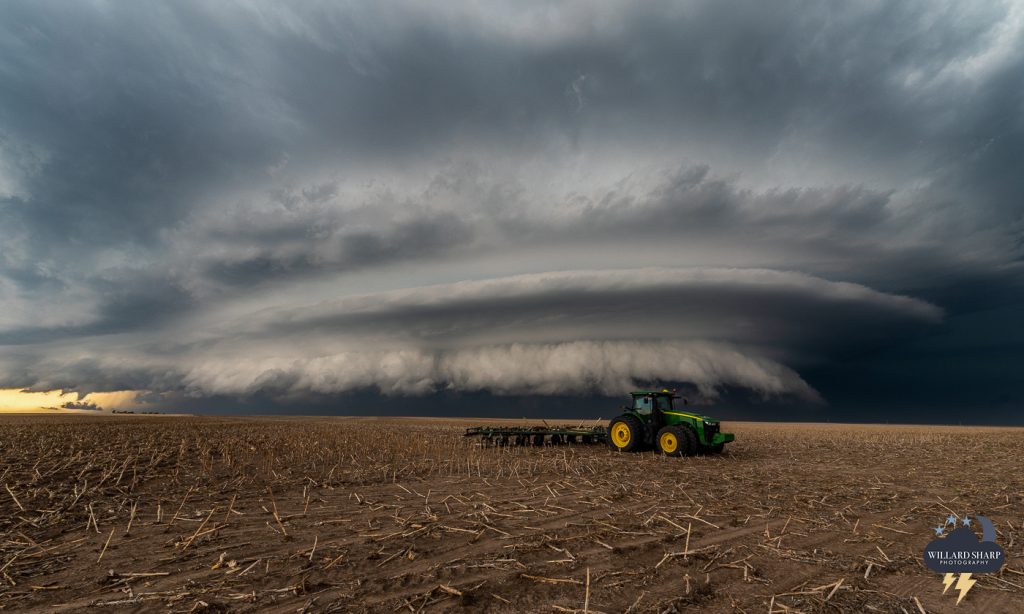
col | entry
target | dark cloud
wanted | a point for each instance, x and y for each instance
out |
(188, 192)
(554, 333)
(81, 405)
(122, 302)
(313, 245)
(786, 314)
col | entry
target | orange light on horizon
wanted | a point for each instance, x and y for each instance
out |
(18, 400)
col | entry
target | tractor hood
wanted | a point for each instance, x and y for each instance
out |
(690, 414)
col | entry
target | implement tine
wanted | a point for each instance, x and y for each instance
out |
(537, 435)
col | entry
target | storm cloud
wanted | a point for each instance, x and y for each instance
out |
(573, 332)
(241, 199)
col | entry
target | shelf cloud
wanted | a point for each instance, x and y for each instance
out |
(574, 332)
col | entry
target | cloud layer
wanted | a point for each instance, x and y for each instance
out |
(580, 367)
(575, 332)
(250, 198)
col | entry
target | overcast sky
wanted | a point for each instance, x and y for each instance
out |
(786, 209)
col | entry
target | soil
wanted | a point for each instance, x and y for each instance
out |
(198, 514)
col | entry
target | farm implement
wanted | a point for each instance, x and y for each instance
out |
(537, 435)
(652, 421)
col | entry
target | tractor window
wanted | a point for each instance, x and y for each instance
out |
(664, 404)
(642, 405)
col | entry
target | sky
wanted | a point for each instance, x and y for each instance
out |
(785, 210)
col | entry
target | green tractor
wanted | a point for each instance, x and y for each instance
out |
(653, 421)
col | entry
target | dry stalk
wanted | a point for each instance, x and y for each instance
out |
(196, 534)
(104, 551)
(183, 500)
(10, 492)
(586, 597)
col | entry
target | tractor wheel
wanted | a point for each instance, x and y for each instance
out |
(625, 433)
(716, 449)
(687, 441)
(672, 441)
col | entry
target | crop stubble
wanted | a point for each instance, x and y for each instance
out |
(389, 515)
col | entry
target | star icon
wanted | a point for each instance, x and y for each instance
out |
(966, 521)
(951, 520)
(939, 530)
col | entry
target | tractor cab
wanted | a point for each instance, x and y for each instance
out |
(653, 420)
(648, 403)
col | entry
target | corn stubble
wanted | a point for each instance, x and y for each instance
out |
(378, 515)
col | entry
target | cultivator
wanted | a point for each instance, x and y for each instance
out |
(537, 435)
(651, 421)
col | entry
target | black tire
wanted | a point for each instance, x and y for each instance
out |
(671, 441)
(538, 440)
(687, 440)
(715, 449)
(635, 440)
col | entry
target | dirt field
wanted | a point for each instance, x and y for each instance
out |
(364, 515)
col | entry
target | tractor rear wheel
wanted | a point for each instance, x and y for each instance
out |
(625, 433)
(672, 441)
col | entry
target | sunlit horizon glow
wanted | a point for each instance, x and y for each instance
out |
(16, 400)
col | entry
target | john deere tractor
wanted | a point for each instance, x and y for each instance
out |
(653, 421)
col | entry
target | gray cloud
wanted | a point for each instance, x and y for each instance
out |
(185, 185)
(81, 405)
(553, 333)
(773, 309)
(579, 367)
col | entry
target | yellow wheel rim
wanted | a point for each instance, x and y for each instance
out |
(669, 443)
(621, 434)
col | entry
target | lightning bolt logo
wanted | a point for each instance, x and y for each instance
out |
(964, 585)
(947, 581)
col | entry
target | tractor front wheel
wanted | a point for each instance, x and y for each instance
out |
(691, 441)
(625, 433)
(677, 441)
(671, 441)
